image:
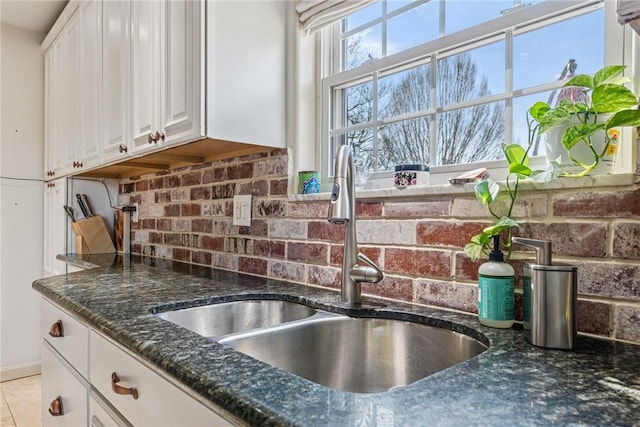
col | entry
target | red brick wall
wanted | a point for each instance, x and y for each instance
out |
(186, 215)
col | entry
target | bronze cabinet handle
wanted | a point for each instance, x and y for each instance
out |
(118, 389)
(77, 164)
(123, 149)
(159, 136)
(150, 138)
(55, 409)
(56, 330)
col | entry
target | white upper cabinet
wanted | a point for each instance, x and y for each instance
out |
(115, 79)
(89, 148)
(73, 93)
(52, 111)
(61, 74)
(166, 85)
(246, 71)
(127, 78)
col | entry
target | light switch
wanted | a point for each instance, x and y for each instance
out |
(242, 210)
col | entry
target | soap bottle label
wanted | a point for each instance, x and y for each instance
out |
(495, 297)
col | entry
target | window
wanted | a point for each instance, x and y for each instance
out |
(446, 82)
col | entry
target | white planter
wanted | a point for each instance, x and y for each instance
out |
(555, 151)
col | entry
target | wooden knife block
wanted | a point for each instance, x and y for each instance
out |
(92, 236)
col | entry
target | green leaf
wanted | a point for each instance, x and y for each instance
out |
(503, 223)
(473, 250)
(609, 98)
(515, 153)
(608, 74)
(538, 110)
(624, 118)
(553, 118)
(581, 80)
(578, 133)
(486, 191)
(520, 169)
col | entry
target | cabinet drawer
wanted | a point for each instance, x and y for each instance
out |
(155, 401)
(61, 389)
(100, 415)
(72, 344)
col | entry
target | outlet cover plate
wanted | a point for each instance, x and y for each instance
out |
(242, 210)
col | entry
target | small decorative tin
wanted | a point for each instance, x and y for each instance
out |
(408, 175)
(308, 182)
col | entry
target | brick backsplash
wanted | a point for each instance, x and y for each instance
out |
(186, 215)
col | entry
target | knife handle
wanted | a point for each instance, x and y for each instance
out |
(83, 208)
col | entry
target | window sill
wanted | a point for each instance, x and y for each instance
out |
(585, 183)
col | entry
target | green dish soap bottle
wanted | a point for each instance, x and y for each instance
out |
(495, 290)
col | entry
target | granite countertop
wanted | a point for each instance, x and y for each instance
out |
(512, 383)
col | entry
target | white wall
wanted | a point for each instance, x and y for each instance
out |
(21, 201)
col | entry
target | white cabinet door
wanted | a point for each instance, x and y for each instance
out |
(139, 394)
(61, 98)
(182, 64)
(64, 397)
(246, 71)
(54, 226)
(90, 22)
(167, 97)
(51, 62)
(115, 89)
(70, 94)
(145, 83)
(72, 85)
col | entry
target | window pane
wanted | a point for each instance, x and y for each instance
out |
(461, 14)
(413, 27)
(404, 92)
(362, 143)
(363, 16)
(471, 75)
(404, 142)
(359, 104)
(362, 47)
(397, 4)
(470, 134)
(540, 56)
(520, 129)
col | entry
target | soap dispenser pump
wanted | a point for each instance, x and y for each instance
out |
(495, 290)
(550, 294)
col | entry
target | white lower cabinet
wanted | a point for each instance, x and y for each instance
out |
(139, 394)
(64, 395)
(101, 414)
(88, 380)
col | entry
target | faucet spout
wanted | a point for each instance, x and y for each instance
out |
(342, 210)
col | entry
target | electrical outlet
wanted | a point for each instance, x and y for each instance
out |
(134, 216)
(242, 210)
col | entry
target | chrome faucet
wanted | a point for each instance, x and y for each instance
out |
(342, 210)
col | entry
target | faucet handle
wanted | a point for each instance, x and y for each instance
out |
(371, 273)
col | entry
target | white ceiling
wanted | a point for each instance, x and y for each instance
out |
(34, 15)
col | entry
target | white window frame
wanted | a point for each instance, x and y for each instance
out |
(617, 47)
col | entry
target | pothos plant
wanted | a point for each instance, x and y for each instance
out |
(487, 191)
(605, 103)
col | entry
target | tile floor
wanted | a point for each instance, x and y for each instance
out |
(21, 402)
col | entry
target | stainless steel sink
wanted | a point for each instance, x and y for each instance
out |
(217, 320)
(358, 355)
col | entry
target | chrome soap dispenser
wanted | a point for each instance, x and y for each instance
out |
(550, 299)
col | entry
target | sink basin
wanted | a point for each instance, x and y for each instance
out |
(217, 320)
(358, 355)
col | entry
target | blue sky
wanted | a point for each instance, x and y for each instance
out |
(539, 56)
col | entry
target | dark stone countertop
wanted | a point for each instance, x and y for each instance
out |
(512, 383)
